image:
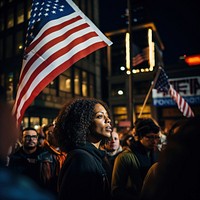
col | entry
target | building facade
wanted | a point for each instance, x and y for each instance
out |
(146, 57)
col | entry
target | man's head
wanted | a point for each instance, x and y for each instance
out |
(113, 144)
(148, 131)
(30, 139)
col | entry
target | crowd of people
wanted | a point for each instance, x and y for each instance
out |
(82, 155)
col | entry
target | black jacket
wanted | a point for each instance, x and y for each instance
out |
(84, 175)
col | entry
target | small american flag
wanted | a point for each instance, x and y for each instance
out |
(58, 35)
(139, 55)
(163, 85)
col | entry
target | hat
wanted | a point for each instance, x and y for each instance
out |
(144, 126)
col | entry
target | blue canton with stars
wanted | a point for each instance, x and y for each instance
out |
(162, 84)
(44, 11)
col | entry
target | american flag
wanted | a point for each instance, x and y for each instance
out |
(163, 85)
(58, 35)
(139, 56)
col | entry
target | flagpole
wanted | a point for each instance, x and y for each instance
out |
(150, 89)
(130, 76)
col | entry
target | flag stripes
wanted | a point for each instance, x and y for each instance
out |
(181, 103)
(163, 85)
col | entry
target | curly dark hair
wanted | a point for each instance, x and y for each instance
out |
(75, 120)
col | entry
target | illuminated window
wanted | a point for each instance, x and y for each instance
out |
(29, 10)
(20, 13)
(146, 111)
(10, 21)
(65, 81)
(84, 84)
(25, 122)
(120, 113)
(45, 121)
(35, 122)
(77, 82)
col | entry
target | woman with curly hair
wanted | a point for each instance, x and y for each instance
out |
(79, 128)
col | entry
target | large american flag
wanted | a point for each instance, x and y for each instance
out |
(163, 85)
(58, 35)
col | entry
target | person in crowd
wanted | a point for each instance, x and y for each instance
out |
(176, 174)
(13, 185)
(131, 165)
(51, 144)
(35, 162)
(79, 128)
(112, 147)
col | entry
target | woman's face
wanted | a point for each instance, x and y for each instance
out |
(102, 123)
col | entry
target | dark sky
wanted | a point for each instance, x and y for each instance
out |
(177, 22)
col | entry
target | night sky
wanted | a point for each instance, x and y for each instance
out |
(177, 23)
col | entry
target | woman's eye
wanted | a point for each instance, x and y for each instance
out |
(99, 116)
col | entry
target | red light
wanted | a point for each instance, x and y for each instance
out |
(193, 60)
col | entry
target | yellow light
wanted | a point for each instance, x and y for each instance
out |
(128, 51)
(151, 49)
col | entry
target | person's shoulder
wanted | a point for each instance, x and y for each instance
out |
(17, 153)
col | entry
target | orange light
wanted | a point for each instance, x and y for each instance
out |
(193, 60)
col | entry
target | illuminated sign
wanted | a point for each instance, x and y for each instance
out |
(187, 87)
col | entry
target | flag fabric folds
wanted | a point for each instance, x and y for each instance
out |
(58, 35)
(163, 85)
(139, 55)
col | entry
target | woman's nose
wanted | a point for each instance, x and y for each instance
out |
(108, 120)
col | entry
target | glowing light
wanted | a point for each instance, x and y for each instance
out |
(193, 60)
(120, 92)
(122, 68)
(127, 51)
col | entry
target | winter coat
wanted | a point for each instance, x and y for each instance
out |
(84, 175)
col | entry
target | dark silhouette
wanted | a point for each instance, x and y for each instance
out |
(177, 173)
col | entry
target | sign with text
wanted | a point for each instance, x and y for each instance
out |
(187, 87)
